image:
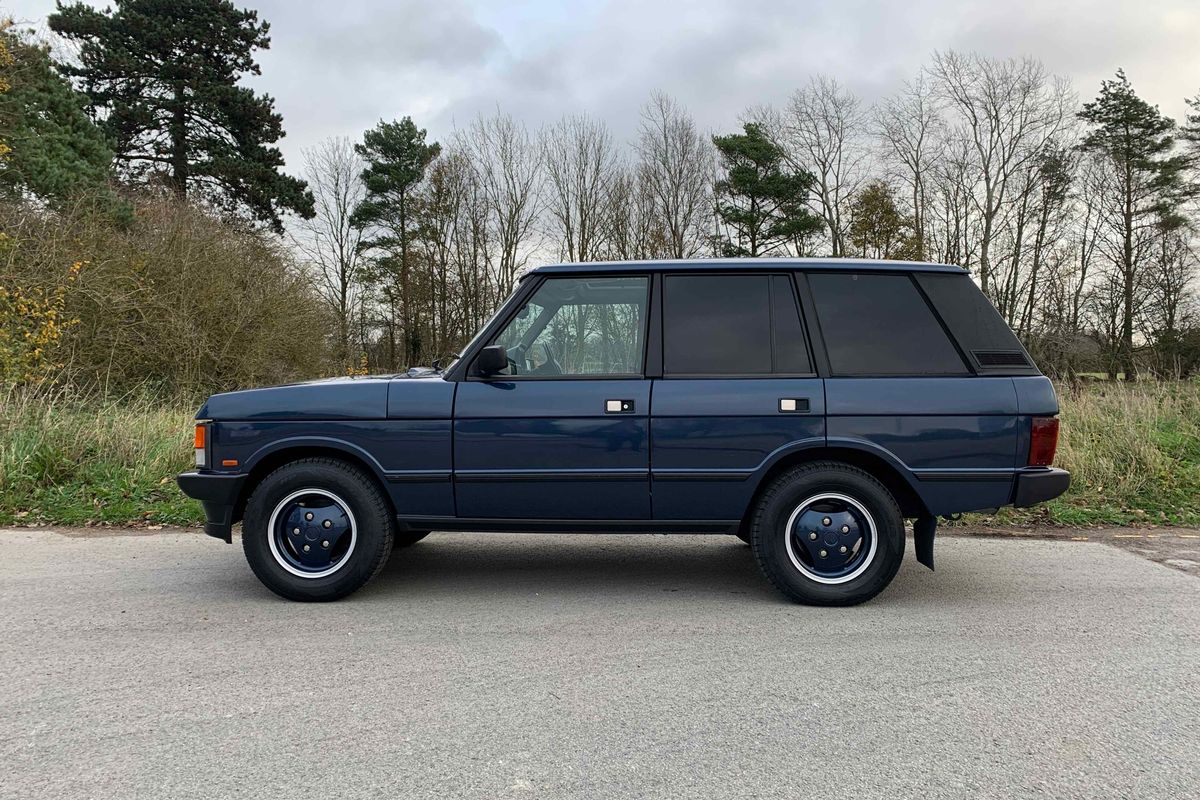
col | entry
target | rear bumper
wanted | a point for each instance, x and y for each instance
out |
(1039, 485)
(218, 494)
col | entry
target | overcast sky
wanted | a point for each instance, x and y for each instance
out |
(336, 68)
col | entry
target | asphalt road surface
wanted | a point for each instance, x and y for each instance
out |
(144, 666)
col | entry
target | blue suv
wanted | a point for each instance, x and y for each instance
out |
(807, 407)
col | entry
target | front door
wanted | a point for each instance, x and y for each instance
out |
(563, 432)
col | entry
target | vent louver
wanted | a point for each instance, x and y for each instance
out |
(1000, 358)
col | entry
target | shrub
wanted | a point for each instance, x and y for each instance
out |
(177, 301)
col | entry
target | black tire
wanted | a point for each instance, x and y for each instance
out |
(407, 538)
(867, 571)
(372, 529)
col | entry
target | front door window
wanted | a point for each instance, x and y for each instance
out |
(579, 327)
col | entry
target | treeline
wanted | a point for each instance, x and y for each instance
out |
(149, 232)
(1078, 220)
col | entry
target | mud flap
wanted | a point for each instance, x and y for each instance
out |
(924, 529)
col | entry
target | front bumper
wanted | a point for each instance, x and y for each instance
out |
(1039, 485)
(218, 494)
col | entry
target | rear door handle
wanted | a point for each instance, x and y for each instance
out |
(793, 405)
(618, 406)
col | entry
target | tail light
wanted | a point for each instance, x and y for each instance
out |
(1043, 441)
(201, 445)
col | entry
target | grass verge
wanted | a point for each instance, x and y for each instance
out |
(1133, 451)
(69, 461)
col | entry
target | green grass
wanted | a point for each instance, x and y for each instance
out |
(1133, 451)
(73, 462)
(1134, 455)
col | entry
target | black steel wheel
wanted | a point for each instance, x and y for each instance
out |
(317, 529)
(826, 533)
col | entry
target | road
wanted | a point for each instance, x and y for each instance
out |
(497, 666)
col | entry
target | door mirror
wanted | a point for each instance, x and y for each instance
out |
(491, 360)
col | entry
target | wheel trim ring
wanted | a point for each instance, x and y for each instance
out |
(872, 532)
(271, 531)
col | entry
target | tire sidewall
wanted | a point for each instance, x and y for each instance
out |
(769, 534)
(372, 529)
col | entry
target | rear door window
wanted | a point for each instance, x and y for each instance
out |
(877, 324)
(716, 325)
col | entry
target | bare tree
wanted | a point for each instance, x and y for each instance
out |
(509, 175)
(580, 162)
(631, 223)
(676, 164)
(823, 131)
(328, 242)
(910, 127)
(1010, 109)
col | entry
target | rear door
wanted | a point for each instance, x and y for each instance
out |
(563, 433)
(899, 384)
(737, 385)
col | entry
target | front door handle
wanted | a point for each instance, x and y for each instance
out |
(618, 406)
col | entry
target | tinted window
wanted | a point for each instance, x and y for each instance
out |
(880, 325)
(716, 325)
(791, 353)
(974, 321)
(579, 326)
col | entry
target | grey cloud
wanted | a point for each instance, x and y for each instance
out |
(336, 69)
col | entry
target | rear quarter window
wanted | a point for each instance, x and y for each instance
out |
(980, 330)
(879, 324)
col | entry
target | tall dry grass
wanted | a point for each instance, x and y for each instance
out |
(1133, 451)
(72, 460)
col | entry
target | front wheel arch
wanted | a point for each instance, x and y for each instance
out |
(278, 458)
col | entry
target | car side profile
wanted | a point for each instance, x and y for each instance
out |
(806, 406)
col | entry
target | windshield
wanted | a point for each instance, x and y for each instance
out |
(475, 339)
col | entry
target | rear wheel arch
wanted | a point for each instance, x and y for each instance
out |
(911, 504)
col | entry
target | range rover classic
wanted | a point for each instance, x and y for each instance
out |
(808, 407)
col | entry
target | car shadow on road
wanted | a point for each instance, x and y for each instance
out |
(499, 567)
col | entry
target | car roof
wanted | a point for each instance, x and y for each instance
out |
(726, 264)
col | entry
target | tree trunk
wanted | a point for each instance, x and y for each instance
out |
(178, 133)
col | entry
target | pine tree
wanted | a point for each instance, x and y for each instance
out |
(763, 204)
(397, 156)
(1137, 143)
(162, 76)
(54, 150)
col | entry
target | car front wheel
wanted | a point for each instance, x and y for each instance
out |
(827, 533)
(317, 529)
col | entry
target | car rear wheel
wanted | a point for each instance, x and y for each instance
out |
(317, 529)
(828, 534)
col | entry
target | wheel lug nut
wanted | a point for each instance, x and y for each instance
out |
(309, 515)
(845, 529)
(827, 521)
(296, 531)
(842, 548)
(813, 536)
(306, 548)
(327, 524)
(326, 544)
(823, 554)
